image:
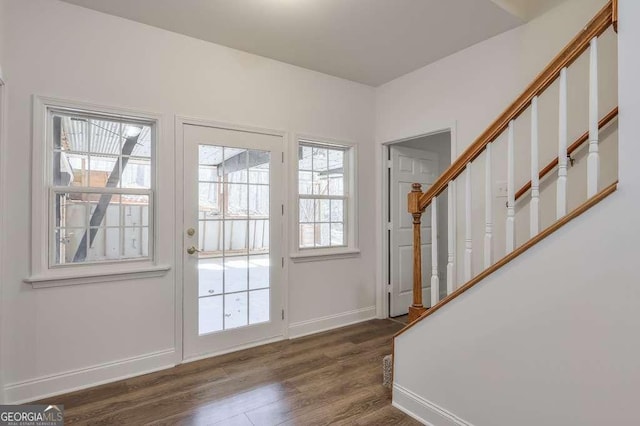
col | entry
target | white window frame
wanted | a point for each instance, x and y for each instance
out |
(350, 249)
(43, 272)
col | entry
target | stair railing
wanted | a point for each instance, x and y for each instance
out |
(419, 201)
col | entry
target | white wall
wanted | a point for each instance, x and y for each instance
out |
(472, 87)
(53, 338)
(551, 338)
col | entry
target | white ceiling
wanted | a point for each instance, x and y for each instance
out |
(368, 41)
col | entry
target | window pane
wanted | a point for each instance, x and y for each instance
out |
(337, 234)
(135, 211)
(73, 135)
(104, 244)
(319, 159)
(307, 210)
(136, 173)
(71, 210)
(105, 137)
(323, 234)
(70, 169)
(320, 183)
(337, 210)
(101, 169)
(307, 235)
(322, 211)
(142, 147)
(336, 160)
(336, 184)
(67, 245)
(305, 183)
(133, 243)
(304, 158)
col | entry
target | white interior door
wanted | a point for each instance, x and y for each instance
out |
(408, 166)
(232, 239)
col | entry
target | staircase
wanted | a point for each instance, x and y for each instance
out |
(457, 182)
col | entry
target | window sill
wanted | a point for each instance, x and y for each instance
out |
(323, 254)
(57, 280)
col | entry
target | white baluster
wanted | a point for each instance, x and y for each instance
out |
(593, 160)
(511, 194)
(561, 208)
(535, 179)
(451, 260)
(467, 229)
(435, 279)
(488, 209)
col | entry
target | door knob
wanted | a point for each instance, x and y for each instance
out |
(192, 250)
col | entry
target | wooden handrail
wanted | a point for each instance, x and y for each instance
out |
(597, 26)
(572, 148)
(517, 252)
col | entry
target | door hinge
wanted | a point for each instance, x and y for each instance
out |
(283, 314)
(283, 262)
(282, 209)
(389, 164)
(283, 157)
(388, 288)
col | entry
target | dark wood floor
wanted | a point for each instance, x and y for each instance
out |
(329, 378)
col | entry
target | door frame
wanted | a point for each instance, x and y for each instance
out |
(382, 295)
(179, 122)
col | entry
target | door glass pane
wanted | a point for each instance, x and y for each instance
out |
(259, 306)
(235, 310)
(259, 167)
(210, 314)
(210, 276)
(236, 274)
(233, 237)
(259, 201)
(259, 236)
(259, 271)
(236, 198)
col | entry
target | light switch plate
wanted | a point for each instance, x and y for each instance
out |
(501, 189)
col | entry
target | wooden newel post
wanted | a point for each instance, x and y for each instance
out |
(416, 309)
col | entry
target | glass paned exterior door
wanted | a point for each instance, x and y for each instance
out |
(232, 268)
(233, 237)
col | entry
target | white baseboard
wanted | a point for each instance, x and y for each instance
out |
(424, 411)
(43, 387)
(317, 325)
